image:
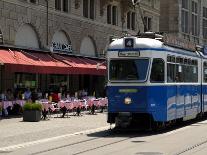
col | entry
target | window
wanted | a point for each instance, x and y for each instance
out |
(148, 22)
(23, 80)
(88, 9)
(158, 70)
(128, 70)
(186, 70)
(33, 1)
(194, 18)
(171, 68)
(65, 5)
(205, 71)
(171, 72)
(112, 15)
(131, 20)
(58, 4)
(62, 5)
(109, 14)
(204, 23)
(92, 9)
(185, 4)
(184, 16)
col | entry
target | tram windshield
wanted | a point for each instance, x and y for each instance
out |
(128, 70)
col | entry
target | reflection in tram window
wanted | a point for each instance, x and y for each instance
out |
(132, 69)
(171, 72)
(205, 72)
(157, 72)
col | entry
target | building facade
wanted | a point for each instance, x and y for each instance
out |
(186, 19)
(81, 28)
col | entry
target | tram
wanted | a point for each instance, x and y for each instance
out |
(153, 84)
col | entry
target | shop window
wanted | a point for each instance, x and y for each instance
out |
(58, 83)
(24, 80)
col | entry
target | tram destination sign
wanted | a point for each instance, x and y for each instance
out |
(128, 54)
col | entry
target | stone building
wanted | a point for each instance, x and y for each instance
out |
(186, 19)
(74, 29)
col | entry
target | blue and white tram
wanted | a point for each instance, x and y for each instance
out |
(152, 83)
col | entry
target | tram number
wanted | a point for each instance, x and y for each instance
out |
(129, 43)
(129, 54)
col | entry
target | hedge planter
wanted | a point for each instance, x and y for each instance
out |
(31, 115)
(32, 112)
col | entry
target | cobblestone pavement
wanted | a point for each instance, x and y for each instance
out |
(14, 131)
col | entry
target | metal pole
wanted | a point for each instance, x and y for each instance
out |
(47, 39)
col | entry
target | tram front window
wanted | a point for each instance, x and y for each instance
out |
(128, 70)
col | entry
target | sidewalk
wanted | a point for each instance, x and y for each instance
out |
(14, 131)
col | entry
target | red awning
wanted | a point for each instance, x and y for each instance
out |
(84, 65)
(45, 63)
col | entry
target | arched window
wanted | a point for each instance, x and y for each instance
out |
(27, 37)
(61, 42)
(87, 47)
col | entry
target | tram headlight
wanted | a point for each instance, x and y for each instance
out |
(127, 100)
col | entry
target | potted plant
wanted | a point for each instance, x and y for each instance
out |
(32, 112)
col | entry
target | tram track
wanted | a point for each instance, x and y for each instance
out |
(109, 134)
(191, 148)
(96, 141)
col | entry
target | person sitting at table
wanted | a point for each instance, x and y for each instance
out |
(78, 111)
(27, 94)
(16, 109)
(34, 96)
(93, 109)
(64, 110)
(9, 95)
(39, 94)
(44, 114)
(55, 97)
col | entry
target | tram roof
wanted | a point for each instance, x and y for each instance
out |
(139, 43)
(148, 44)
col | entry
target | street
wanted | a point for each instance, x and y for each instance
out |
(90, 134)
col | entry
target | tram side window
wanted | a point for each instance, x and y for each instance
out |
(205, 72)
(170, 72)
(195, 73)
(179, 73)
(158, 70)
(188, 73)
(205, 75)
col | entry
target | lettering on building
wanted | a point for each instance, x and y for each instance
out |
(61, 47)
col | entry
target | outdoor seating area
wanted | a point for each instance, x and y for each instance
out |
(62, 108)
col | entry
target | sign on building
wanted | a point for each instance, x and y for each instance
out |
(62, 47)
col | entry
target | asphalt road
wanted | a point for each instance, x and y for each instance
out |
(93, 137)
